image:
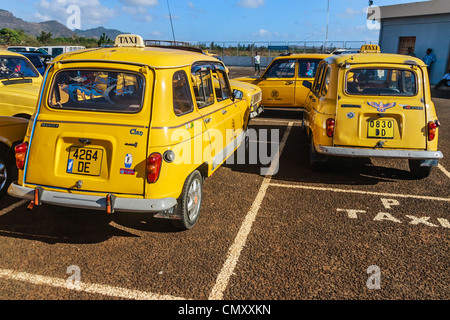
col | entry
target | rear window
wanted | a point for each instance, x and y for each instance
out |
(381, 82)
(12, 67)
(97, 90)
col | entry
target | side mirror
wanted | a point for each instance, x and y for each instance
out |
(307, 84)
(237, 94)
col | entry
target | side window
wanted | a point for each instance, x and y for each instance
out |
(318, 80)
(182, 99)
(221, 86)
(284, 68)
(326, 82)
(307, 67)
(202, 85)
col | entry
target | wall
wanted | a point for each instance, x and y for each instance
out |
(430, 31)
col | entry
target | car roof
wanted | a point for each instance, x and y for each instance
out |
(154, 57)
(373, 58)
(10, 53)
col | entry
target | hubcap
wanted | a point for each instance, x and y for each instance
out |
(194, 199)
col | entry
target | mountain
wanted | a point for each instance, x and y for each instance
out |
(57, 29)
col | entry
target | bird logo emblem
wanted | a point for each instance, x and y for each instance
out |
(380, 106)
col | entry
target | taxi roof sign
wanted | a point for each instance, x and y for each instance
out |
(370, 48)
(129, 40)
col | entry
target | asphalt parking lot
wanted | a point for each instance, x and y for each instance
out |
(360, 229)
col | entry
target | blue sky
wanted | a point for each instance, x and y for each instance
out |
(214, 20)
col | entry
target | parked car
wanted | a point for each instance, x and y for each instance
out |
(12, 132)
(57, 50)
(20, 82)
(21, 48)
(281, 82)
(132, 128)
(39, 60)
(372, 104)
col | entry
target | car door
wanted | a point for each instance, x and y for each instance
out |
(306, 72)
(230, 110)
(210, 111)
(278, 83)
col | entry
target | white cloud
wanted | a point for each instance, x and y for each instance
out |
(92, 12)
(191, 5)
(141, 3)
(251, 3)
(350, 13)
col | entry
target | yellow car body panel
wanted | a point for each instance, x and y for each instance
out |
(12, 130)
(281, 82)
(18, 94)
(84, 149)
(373, 105)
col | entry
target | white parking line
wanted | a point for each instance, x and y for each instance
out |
(239, 242)
(12, 207)
(444, 170)
(295, 186)
(84, 287)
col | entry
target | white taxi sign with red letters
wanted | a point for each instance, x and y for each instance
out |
(129, 40)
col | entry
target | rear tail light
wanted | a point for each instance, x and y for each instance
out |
(21, 153)
(432, 127)
(153, 167)
(330, 127)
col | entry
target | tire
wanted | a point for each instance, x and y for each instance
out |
(313, 163)
(417, 170)
(8, 171)
(189, 203)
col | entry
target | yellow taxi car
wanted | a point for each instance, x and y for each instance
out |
(281, 83)
(20, 82)
(372, 104)
(12, 132)
(132, 128)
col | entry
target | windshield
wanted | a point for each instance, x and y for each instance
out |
(97, 90)
(381, 82)
(16, 67)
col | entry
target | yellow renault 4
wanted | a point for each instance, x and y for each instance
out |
(131, 128)
(372, 104)
(20, 82)
(282, 81)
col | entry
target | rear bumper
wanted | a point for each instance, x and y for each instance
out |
(378, 153)
(93, 202)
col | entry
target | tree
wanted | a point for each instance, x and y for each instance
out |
(45, 37)
(104, 39)
(10, 36)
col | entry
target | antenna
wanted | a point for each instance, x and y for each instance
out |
(170, 16)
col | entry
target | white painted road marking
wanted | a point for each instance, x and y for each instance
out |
(239, 242)
(296, 186)
(444, 170)
(12, 207)
(84, 287)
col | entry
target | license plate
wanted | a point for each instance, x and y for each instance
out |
(87, 161)
(381, 128)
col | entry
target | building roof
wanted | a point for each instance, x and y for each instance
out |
(424, 8)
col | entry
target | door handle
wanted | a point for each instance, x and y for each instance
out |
(289, 82)
(224, 111)
(207, 120)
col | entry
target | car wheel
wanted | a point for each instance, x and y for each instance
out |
(190, 201)
(8, 171)
(417, 170)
